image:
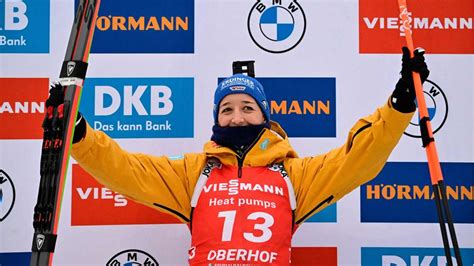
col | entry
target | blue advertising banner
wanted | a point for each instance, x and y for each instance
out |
(24, 26)
(140, 107)
(304, 107)
(400, 256)
(143, 26)
(402, 193)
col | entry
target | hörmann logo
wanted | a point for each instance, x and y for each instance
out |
(22, 107)
(402, 193)
(437, 105)
(24, 26)
(121, 23)
(90, 200)
(276, 26)
(298, 102)
(442, 28)
(140, 107)
(409, 192)
(405, 256)
(165, 26)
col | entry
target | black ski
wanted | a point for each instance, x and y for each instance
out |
(58, 127)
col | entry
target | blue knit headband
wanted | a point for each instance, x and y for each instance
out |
(240, 83)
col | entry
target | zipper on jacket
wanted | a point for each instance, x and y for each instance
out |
(357, 133)
(240, 162)
(326, 201)
(241, 157)
(186, 219)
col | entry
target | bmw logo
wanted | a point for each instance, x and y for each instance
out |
(7, 195)
(276, 26)
(437, 106)
(132, 257)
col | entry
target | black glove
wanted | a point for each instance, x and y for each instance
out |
(403, 97)
(55, 99)
(56, 96)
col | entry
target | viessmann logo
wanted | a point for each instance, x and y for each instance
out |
(24, 26)
(402, 193)
(140, 107)
(296, 103)
(22, 107)
(438, 26)
(90, 200)
(165, 26)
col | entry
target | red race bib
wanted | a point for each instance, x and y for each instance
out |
(245, 220)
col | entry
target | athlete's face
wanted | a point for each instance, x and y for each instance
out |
(237, 110)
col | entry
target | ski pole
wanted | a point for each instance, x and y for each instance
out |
(434, 166)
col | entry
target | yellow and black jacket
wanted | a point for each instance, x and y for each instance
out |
(168, 183)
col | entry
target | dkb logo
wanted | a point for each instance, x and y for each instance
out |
(140, 107)
(24, 26)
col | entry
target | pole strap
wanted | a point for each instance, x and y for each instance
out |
(73, 72)
(425, 136)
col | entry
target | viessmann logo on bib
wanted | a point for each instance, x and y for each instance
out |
(439, 26)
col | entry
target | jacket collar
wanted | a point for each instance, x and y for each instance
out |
(272, 146)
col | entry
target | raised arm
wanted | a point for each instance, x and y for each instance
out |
(156, 181)
(322, 180)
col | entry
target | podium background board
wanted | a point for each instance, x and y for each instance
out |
(153, 70)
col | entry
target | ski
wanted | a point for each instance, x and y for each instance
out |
(58, 127)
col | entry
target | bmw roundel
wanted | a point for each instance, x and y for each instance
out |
(437, 107)
(7, 195)
(276, 26)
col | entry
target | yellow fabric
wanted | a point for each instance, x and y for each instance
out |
(165, 183)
